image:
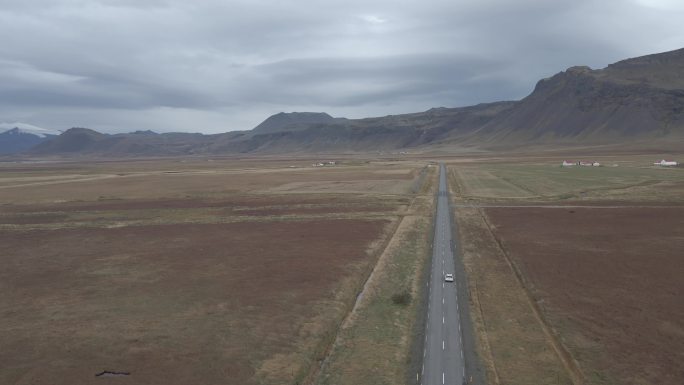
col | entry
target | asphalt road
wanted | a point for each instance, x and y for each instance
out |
(443, 361)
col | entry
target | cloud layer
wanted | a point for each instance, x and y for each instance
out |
(215, 66)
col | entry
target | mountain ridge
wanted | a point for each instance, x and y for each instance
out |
(633, 101)
(606, 105)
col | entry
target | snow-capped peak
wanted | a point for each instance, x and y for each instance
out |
(28, 128)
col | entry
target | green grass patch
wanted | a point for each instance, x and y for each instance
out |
(548, 181)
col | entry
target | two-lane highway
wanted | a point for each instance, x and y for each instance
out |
(443, 361)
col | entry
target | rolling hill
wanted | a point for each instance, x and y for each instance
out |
(293, 121)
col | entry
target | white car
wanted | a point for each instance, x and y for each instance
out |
(449, 277)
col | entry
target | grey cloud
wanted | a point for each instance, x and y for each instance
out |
(355, 82)
(220, 65)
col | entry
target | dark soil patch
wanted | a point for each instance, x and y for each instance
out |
(312, 210)
(32, 219)
(251, 201)
(108, 373)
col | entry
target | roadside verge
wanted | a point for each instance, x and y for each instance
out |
(374, 343)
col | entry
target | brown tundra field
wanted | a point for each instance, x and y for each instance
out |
(576, 273)
(610, 279)
(186, 272)
(247, 271)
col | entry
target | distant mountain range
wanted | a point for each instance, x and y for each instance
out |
(22, 137)
(29, 129)
(635, 102)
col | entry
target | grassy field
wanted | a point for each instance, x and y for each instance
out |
(572, 269)
(186, 272)
(549, 182)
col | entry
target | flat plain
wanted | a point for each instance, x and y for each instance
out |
(595, 255)
(193, 271)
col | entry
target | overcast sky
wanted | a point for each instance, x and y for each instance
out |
(215, 66)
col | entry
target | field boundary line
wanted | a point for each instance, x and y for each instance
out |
(314, 371)
(557, 206)
(520, 186)
(569, 362)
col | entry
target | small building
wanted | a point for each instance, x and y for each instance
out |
(666, 163)
(323, 164)
(568, 164)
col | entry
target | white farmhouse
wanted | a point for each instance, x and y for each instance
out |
(568, 164)
(666, 163)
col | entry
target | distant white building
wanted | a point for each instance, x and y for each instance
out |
(569, 164)
(323, 164)
(666, 163)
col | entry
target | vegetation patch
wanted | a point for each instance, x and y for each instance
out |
(402, 299)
